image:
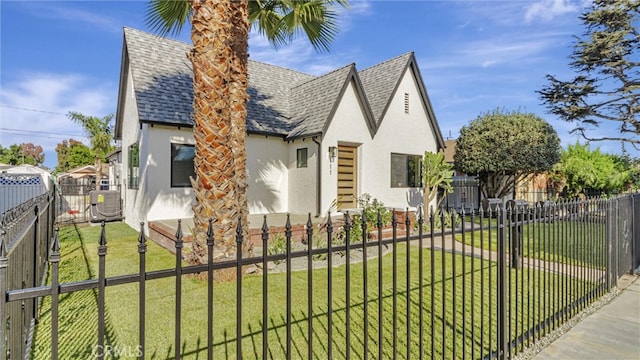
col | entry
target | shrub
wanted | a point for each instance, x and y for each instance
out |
(277, 245)
(370, 208)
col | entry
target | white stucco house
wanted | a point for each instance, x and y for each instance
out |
(312, 141)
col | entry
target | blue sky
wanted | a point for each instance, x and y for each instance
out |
(474, 56)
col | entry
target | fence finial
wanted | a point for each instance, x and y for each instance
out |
(265, 227)
(309, 222)
(55, 243)
(210, 239)
(142, 238)
(103, 235)
(179, 230)
(239, 235)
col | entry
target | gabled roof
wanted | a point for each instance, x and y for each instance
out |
(282, 102)
(381, 81)
(316, 101)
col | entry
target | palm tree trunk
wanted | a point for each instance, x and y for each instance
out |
(219, 57)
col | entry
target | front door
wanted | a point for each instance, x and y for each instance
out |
(347, 177)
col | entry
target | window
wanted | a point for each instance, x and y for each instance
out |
(406, 170)
(406, 103)
(134, 163)
(301, 158)
(182, 165)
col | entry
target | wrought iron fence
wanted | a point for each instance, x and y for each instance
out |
(25, 231)
(487, 287)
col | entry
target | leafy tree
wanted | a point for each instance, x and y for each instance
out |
(100, 132)
(607, 87)
(220, 32)
(25, 153)
(592, 172)
(501, 147)
(72, 154)
(436, 174)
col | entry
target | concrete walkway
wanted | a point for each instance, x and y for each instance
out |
(611, 332)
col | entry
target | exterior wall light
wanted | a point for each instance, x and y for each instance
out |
(333, 153)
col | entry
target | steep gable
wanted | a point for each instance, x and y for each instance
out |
(315, 101)
(282, 102)
(381, 81)
(162, 78)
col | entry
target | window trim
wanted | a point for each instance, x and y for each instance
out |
(302, 162)
(406, 182)
(133, 166)
(173, 152)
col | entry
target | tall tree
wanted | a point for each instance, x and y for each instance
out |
(100, 133)
(25, 153)
(607, 87)
(219, 56)
(502, 147)
(73, 153)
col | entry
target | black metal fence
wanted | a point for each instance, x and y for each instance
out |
(488, 287)
(25, 233)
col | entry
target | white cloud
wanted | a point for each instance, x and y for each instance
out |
(298, 55)
(65, 12)
(546, 10)
(34, 107)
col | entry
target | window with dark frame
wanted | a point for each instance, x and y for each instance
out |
(301, 158)
(406, 170)
(134, 166)
(182, 168)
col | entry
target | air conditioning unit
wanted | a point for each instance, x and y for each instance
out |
(105, 205)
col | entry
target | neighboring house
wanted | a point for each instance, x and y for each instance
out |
(466, 188)
(313, 141)
(114, 159)
(83, 176)
(20, 183)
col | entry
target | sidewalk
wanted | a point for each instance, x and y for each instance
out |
(611, 332)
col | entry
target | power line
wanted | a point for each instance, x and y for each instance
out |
(41, 132)
(33, 110)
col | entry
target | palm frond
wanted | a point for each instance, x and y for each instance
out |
(167, 16)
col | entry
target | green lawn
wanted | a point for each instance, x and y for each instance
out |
(475, 298)
(561, 241)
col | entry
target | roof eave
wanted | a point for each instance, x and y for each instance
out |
(370, 120)
(124, 70)
(425, 97)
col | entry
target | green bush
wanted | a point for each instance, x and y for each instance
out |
(277, 245)
(370, 208)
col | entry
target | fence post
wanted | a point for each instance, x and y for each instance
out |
(3, 289)
(611, 242)
(502, 351)
(34, 266)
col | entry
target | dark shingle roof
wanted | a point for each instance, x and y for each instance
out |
(380, 82)
(162, 78)
(282, 102)
(315, 100)
(163, 83)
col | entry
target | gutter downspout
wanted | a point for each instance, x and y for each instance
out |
(318, 178)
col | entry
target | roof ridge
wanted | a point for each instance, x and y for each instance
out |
(353, 65)
(282, 67)
(388, 61)
(158, 37)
